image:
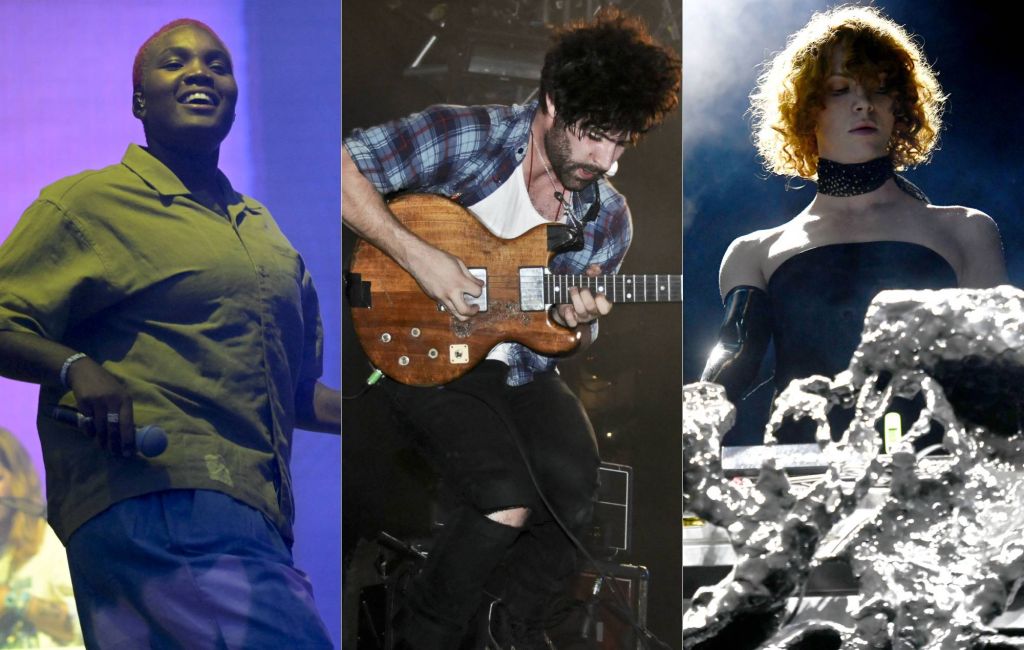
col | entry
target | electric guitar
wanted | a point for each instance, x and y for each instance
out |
(414, 341)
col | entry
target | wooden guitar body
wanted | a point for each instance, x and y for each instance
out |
(409, 338)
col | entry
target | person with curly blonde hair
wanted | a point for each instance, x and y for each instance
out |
(847, 103)
(792, 89)
(36, 600)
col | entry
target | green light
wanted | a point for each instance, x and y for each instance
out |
(892, 426)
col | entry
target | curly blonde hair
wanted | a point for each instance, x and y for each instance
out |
(791, 90)
(26, 528)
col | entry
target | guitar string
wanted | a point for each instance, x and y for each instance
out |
(615, 284)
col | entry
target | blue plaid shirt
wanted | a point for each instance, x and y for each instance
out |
(466, 153)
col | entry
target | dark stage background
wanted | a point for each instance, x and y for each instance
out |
(630, 378)
(727, 194)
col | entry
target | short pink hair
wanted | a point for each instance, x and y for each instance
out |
(140, 56)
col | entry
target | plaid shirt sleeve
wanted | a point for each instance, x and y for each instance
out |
(421, 152)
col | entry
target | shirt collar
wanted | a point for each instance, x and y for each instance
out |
(521, 128)
(155, 174)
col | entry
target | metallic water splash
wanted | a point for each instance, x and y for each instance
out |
(944, 553)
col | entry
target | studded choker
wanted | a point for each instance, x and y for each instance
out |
(841, 179)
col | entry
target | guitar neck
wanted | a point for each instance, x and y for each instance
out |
(620, 288)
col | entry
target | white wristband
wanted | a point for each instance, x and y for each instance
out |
(67, 366)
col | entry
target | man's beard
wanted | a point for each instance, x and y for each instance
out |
(559, 153)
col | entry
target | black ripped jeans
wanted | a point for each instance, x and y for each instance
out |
(463, 429)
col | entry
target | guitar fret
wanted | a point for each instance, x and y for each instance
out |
(619, 288)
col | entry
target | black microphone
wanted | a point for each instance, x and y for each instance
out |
(150, 440)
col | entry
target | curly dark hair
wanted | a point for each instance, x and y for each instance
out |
(610, 75)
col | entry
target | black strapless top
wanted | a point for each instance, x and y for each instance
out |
(819, 299)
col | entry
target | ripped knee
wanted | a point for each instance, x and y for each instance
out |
(514, 517)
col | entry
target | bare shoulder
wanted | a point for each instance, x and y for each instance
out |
(958, 215)
(980, 246)
(743, 263)
(962, 219)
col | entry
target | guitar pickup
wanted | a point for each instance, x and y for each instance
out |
(531, 288)
(481, 300)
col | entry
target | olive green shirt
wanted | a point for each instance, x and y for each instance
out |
(211, 323)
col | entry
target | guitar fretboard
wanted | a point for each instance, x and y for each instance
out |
(619, 288)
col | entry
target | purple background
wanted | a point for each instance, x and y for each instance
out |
(66, 79)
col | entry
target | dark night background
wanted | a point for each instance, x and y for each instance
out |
(629, 380)
(727, 194)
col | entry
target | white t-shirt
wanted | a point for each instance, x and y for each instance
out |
(508, 212)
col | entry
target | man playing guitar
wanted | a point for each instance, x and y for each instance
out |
(509, 436)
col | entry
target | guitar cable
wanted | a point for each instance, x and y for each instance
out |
(646, 637)
(370, 382)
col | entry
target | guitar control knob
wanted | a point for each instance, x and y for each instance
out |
(403, 360)
(415, 332)
(385, 337)
(432, 353)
